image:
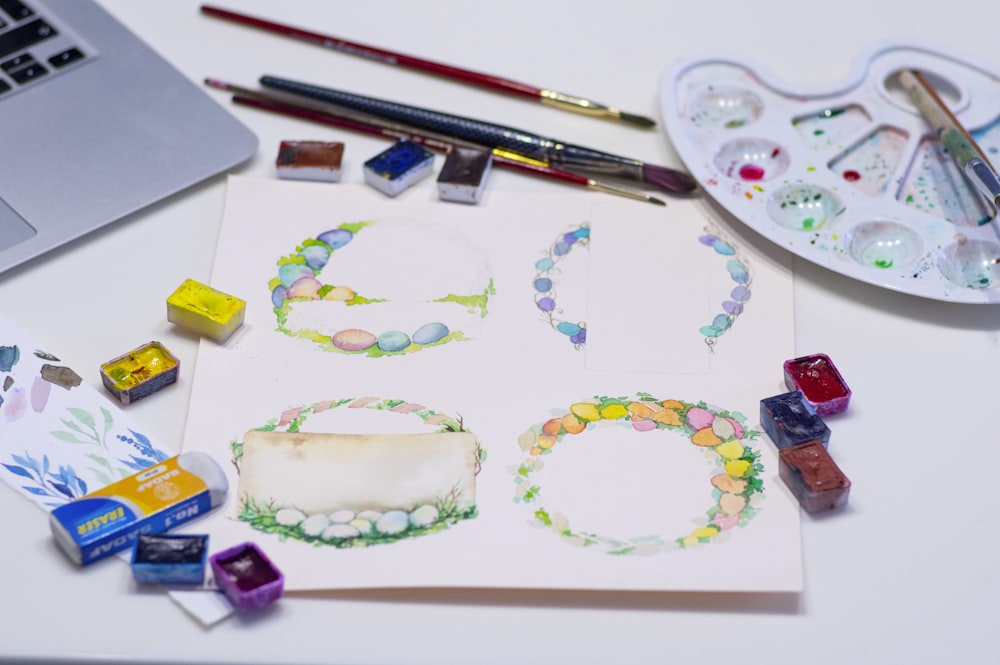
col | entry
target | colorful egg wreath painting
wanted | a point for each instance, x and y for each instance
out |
(416, 287)
(732, 484)
(549, 268)
(357, 490)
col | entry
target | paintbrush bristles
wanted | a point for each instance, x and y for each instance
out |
(669, 180)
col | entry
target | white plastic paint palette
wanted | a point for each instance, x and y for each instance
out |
(852, 179)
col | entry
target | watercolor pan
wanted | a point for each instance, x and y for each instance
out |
(819, 381)
(247, 576)
(852, 177)
(140, 372)
(206, 311)
(791, 420)
(170, 559)
(398, 167)
(463, 176)
(813, 477)
(310, 160)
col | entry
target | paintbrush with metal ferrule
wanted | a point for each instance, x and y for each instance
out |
(559, 100)
(552, 152)
(330, 114)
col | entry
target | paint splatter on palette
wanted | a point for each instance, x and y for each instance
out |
(852, 179)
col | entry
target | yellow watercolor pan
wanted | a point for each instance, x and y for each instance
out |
(140, 372)
(206, 311)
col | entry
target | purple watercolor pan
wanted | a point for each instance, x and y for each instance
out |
(819, 381)
(247, 576)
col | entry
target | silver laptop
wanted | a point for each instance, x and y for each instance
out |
(94, 125)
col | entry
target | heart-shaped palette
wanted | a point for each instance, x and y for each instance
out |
(853, 179)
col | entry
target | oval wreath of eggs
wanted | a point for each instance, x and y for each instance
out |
(735, 484)
(298, 280)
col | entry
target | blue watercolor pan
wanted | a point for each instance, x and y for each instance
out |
(169, 559)
(789, 419)
(400, 166)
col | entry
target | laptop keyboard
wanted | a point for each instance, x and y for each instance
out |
(34, 46)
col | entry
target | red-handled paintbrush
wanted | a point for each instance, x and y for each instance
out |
(551, 98)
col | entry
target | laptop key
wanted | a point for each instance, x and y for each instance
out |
(17, 62)
(66, 57)
(4, 86)
(16, 9)
(29, 73)
(24, 36)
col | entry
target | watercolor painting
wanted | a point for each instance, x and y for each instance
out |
(347, 490)
(358, 471)
(313, 301)
(734, 471)
(70, 440)
(548, 271)
(850, 177)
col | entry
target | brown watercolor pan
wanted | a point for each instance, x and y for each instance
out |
(852, 178)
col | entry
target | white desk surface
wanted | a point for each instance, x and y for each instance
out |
(908, 572)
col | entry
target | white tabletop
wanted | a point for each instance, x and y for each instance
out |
(908, 571)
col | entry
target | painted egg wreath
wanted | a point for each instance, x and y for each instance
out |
(739, 271)
(547, 267)
(734, 486)
(298, 281)
(362, 529)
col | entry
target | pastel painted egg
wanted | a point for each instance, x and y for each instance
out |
(733, 308)
(342, 516)
(738, 271)
(306, 287)
(699, 418)
(339, 293)
(316, 256)
(583, 232)
(570, 238)
(430, 333)
(543, 284)
(567, 328)
(580, 337)
(393, 522)
(643, 425)
(723, 247)
(290, 273)
(724, 521)
(278, 296)
(738, 431)
(723, 429)
(740, 294)
(546, 304)
(336, 238)
(353, 339)
(727, 483)
(393, 341)
(289, 517)
(708, 240)
(424, 516)
(339, 532)
(544, 264)
(721, 322)
(709, 331)
(561, 248)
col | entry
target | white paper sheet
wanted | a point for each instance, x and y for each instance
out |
(626, 502)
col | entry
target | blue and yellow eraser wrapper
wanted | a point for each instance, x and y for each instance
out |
(206, 311)
(151, 501)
